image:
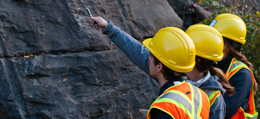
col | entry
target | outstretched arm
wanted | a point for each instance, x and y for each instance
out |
(133, 49)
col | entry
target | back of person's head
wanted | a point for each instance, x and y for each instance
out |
(233, 29)
(234, 50)
(174, 49)
(204, 65)
(209, 49)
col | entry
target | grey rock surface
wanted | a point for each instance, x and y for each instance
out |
(201, 13)
(55, 65)
(96, 84)
(187, 11)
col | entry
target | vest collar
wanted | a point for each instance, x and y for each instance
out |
(168, 84)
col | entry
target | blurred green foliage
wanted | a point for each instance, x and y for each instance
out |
(252, 47)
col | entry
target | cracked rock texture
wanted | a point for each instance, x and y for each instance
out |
(55, 65)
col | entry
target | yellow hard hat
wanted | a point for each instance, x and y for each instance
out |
(230, 26)
(207, 40)
(174, 48)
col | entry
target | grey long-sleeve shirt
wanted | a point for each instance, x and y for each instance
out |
(133, 49)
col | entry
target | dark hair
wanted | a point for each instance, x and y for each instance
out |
(236, 53)
(204, 65)
(167, 72)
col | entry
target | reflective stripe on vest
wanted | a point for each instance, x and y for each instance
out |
(182, 101)
(213, 95)
(250, 113)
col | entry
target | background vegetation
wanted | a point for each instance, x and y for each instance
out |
(252, 47)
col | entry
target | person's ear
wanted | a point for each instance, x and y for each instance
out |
(198, 59)
(226, 50)
(225, 46)
(159, 67)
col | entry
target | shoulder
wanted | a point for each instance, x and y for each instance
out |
(243, 75)
(242, 80)
(213, 84)
(219, 103)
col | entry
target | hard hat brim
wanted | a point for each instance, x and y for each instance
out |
(146, 43)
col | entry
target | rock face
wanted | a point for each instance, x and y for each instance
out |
(54, 64)
(189, 11)
(185, 10)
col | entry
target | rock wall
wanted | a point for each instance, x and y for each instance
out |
(55, 65)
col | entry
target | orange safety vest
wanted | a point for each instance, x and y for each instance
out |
(182, 101)
(250, 113)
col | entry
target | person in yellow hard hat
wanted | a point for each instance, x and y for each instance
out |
(237, 68)
(168, 56)
(209, 49)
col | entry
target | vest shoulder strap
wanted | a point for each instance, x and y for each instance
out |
(234, 67)
(212, 95)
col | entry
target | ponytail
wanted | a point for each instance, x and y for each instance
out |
(223, 80)
(203, 65)
(241, 57)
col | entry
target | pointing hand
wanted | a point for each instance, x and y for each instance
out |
(101, 23)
